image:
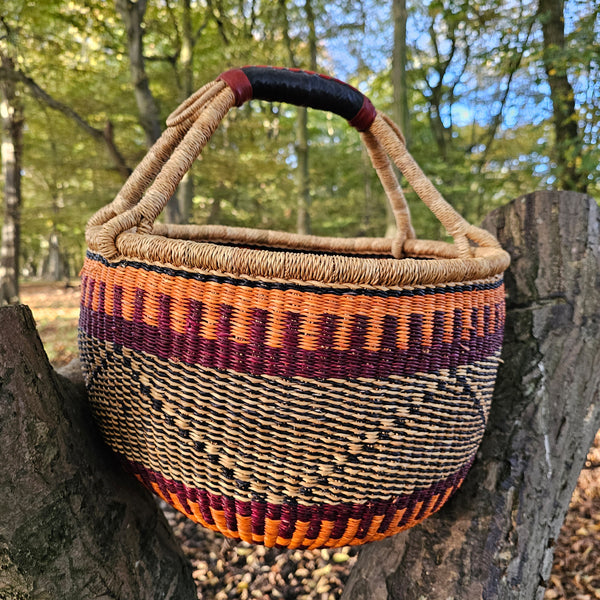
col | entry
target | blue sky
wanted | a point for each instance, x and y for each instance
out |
(529, 98)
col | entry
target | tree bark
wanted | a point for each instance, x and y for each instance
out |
(54, 266)
(302, 173)
(132, 14)
(11, 112)
(72, 525)
(400, 109)
(567, 143)
(495, 538)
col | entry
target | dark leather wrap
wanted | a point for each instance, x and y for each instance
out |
(301, 88)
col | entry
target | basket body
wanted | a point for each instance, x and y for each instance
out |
(289, 413)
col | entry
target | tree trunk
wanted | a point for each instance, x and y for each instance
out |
(186, 187)
(495, 538)
(400, 90)
(132, 14)
(54, 268)
(72, 525)
(303, 173)
(11, 112)
(301, 144)
(367, 211)
(400, 108)
(567, 143)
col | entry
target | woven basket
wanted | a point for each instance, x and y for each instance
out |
(289, 390)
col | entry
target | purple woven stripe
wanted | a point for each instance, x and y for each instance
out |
(289, 513)
(256, 358)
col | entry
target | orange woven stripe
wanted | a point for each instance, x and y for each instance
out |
(281, 541)
(448, 329)
(375, 523)
(351, 529)
(300, 530)
(174, 500)
(480, 323)
(412, 520)
(466, 323)
(196, 515)
(271, 531)
(312, 306)
(219, 519)
(393, 527)
(449, 492)
(244, 525)
(298, 539)
(430, 505)
(324, 535)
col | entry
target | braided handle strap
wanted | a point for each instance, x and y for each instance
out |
(147, 191)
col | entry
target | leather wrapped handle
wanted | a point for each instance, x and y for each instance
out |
(301, 88)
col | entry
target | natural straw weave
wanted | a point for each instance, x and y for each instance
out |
(289, 390)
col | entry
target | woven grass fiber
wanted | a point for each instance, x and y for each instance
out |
(289, 390)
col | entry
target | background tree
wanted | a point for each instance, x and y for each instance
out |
(11, 113)
(132, 13)
(48, 42)
(568, 143)
(302, 141)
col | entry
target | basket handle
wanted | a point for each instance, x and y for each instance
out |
(301, 88)
(193, 123)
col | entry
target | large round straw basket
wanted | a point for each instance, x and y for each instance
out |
(289, 390)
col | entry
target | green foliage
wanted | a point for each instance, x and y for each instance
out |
(479, 109)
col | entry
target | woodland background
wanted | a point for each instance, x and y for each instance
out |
(496, 98)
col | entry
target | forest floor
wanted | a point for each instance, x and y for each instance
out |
(223, 569)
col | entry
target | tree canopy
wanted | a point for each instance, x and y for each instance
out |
(502, 98)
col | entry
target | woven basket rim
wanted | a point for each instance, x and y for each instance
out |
(306, 264)
(127, 226)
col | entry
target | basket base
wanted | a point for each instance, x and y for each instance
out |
(291, 525)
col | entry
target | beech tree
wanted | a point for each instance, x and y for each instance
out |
(11, 113)
(568, 141)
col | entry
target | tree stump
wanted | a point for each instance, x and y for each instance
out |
(72, 525)
(495, 538)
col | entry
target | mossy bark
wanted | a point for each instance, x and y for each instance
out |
(72, 525)
(495, 538)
